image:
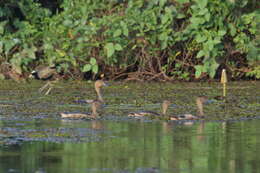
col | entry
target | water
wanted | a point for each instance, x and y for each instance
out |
(34, 139)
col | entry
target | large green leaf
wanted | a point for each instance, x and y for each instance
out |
(183, 1)
(221, 33)
(95, 68)
(197, 20)
(110, 49)
(117, 33)
(2, 27)
(8, 45)
(232, 29)
(125, 29)
(118, 47)
(200, 54)
(93, 61)
(1, 46)
(199, 70)
(213, 68)
(200, 38)
(202, 3)
(86, 68)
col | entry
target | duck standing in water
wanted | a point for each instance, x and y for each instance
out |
(45, 73)
(95, 104)
(199, 102)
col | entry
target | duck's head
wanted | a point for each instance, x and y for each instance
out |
(202, 99)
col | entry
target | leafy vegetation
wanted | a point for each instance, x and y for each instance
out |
(135, 39)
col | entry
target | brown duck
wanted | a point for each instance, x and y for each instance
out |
(95, 104)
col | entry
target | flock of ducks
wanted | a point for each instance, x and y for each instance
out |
(97, 104)
(48, 72)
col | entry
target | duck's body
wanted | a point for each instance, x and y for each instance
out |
(76, 115)
(143, 114)
(183, 117)
(95, 104)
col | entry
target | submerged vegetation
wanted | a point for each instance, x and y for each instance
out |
(135, 39)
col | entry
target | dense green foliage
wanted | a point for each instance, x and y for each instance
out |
(135, 39)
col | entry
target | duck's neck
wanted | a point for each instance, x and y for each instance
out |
(200, 107)
(99, 95)
(164, 109)
(94, 109)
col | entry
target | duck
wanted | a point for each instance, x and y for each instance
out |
(45, 73)
(199, 102)
(95, 104)
(140, 114)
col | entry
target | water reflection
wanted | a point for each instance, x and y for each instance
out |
(132, 146)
